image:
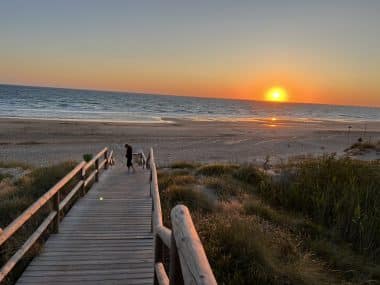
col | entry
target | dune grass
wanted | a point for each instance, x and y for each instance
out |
(216, 169)
(184, 165)
(316, 222)
(340, 194)
(15, 197)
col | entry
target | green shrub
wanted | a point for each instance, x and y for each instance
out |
(87, 157)
(250, 174)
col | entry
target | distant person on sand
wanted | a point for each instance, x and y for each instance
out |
(128, 155)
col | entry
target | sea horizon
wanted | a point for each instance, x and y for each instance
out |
(72, 104)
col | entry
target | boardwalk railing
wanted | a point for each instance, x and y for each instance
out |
(188, 262)
(102, 160)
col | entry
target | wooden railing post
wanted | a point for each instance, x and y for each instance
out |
(106, 159)
(57, 200)
(158, 254)
(175, 274)
(83, 178)
(97, 170)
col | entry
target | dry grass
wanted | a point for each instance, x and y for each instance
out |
(286, 230)
(16, 197)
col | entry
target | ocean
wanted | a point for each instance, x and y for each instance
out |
(88, 105)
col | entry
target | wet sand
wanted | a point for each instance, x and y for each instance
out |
(41, 142)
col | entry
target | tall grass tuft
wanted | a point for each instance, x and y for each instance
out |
(340, 194)
(183, 165)
(216, 169)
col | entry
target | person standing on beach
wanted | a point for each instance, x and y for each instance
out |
(128, 155)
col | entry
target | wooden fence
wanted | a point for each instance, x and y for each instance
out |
(101, 161)
(188, 262)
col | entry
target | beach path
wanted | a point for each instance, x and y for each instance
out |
(104, 239)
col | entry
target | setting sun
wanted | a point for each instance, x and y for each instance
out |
(276, 94)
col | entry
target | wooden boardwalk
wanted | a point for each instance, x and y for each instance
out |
(104, 239)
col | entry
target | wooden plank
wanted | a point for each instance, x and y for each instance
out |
(90, 177)
(104, 241)
(69, 196)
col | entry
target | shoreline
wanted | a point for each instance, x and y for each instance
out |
(173, 120)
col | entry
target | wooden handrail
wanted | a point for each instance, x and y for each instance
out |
(194, 264)
(96, 157)
(29, 212)
(188, 260)
(55, 216)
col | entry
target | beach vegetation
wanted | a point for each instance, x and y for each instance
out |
(17, 196)
(183, 165)
(87, 157)
(216, 169)
(310, 221)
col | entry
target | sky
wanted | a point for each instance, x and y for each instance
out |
(325, 51)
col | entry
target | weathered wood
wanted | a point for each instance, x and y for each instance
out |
(18, 222)
(165, 235)
(97, 170)
(69, 196)
(57, 201)
(26, 246)
(188, 261)
(195, 266)
(83, 179)
(90, 177)
(110, 158)
(106, 159)
(161, 276)
(103, 164)
(157, 212)
(104, 239)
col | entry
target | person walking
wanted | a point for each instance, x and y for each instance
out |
(128, 155)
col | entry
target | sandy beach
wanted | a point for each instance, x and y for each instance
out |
(41, 142)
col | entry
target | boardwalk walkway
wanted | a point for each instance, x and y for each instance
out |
(104, 239)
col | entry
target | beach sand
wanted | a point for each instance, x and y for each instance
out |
(40, 142)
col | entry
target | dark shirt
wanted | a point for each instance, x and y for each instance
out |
(129, 153)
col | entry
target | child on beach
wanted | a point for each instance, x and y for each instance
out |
(128, 155)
